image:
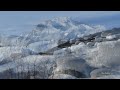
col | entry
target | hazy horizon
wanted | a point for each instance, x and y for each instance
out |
(17, 22)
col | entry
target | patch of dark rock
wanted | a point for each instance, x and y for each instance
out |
(8, 74)
(43, 53)
(41, 26)
(110, 32)
(64, 45)
(58, 26)
(4, 62)
(91, 39)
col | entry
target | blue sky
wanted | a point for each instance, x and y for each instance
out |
(17, 22)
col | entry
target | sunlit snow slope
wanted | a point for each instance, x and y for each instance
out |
(86, 48)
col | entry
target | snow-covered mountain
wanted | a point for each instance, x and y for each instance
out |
(61, 48)
(47, 34)
(65, 27)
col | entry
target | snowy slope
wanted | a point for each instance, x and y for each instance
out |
(65, 27)
(47, 34)
(51, 31)
(94, 51)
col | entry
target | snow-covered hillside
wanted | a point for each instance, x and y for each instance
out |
(63, 28)
(61, 48)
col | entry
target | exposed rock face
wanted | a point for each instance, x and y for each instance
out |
(78, 67)
(89, 40)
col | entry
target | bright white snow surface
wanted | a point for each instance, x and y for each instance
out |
(47, 34)
(110, 37)
(105, 54)
(24, 49)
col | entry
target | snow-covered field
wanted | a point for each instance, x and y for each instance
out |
(21, 56)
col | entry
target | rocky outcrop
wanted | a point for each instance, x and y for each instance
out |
(89, 40)
(78, 67)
